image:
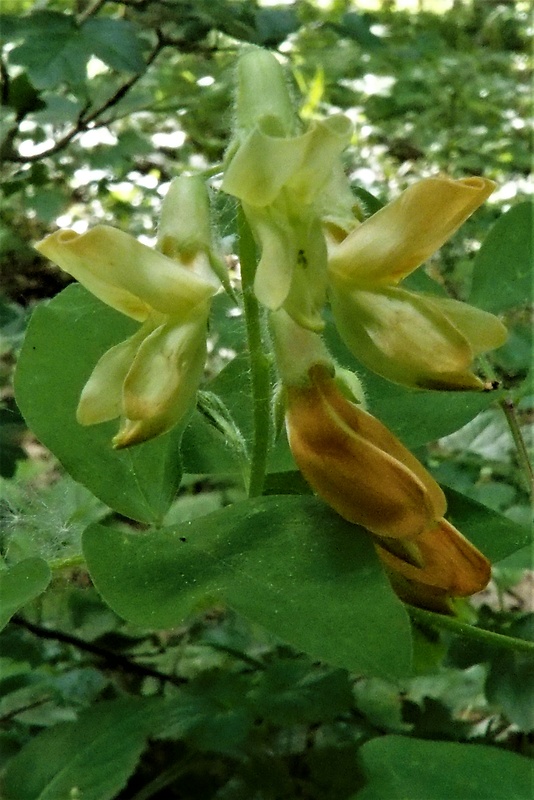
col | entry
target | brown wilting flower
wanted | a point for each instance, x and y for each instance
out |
(367, 475)
(356, 464)
(439, 565)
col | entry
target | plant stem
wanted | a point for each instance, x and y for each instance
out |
(67, 563)
(508, 408)
(469, 631)
(527, 472)
(114, 661)
(259, 363)
(163, 780)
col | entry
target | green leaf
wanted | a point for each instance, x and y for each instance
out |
(65, 339)
(502, 273)
(53, 50)
(23, 97)
(90, 758)
(273, 25)
(358, 27)
(21, 583)
(399, 768)
(288, 563)
(212, 712)
(114, 41)
(495, 535)
(293, 692)
(510, 680)
(510, 685)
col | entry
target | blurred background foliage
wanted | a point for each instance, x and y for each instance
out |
(103, 103)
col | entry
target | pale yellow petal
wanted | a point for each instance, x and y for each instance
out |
(265, 163)
(278, 254)
(292, 268)
(402, 235)
(63, 248)
(125, 273)
(162, 382)
(262, 166)
(101, 397)
(483, 331)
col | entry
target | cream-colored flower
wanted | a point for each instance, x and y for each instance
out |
(279, 172)
(149, 380)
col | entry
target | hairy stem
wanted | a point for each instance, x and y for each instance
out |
(70, 562)
(259, 363)
(469, 631)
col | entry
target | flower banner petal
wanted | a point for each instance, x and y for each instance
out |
(264, 163)
(124, 273)
(362, 482)
(402, 235)
(62, 247)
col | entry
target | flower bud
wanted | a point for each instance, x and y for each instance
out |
(262, 92)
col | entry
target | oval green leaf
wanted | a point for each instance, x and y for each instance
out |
(91, 758)
(502, 272)
(65, 339)
(288, 563)
(398, 768)
(21, 583)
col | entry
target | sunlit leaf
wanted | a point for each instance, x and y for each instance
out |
(115, 42)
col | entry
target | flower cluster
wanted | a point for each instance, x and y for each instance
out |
(314, 249)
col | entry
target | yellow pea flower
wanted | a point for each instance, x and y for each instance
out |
(410, 338)
(149, 380)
